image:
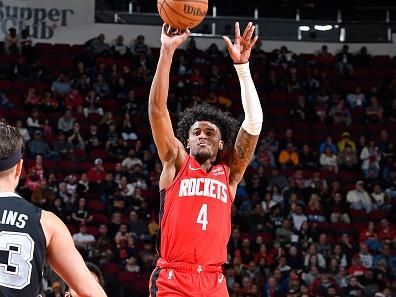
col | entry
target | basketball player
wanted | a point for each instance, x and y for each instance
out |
(29, 235)
(97, 274)
(200, 175)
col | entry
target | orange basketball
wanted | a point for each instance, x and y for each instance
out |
(182, 14)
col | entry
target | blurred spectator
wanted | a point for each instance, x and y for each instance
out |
(328, 160)
(345, 62)
(118, 47)
(66, 122)
(61, 86)
(81, 215)
(328, 142)
(346, 141)
(11, 42)
(96, 174)
(98, 46)
(139, 47)
(340, 114)
(5, 103)
(92, 104)
(324, 57)
(374, 111)
(308, 158)
(101, 87)
(76, 139)
(38, 146)
(33, 122)
(356, 99)
(23, 131)
(359, 198)
(363, 59)
(74, 101)
(338, 209)
(288, 158)
(84, 242)
(371, 158)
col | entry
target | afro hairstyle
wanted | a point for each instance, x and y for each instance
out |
(227, 125)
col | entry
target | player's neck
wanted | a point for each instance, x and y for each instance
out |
(7, 184)
(206, 164)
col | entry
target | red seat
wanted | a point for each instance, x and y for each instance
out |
(5, 85)
(358, 215)
(111, 268)
(96, 206)
(97, 153)
(127, 278)
(93, 230)
(99, 218)
(377, 215)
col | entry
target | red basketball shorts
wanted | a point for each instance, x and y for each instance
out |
(187, 280)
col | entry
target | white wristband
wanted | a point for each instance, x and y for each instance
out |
(250, 100)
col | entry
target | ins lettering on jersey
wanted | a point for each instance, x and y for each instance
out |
(203, 187)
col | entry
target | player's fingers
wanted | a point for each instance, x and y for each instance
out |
(247, 29)
(237, 31)
(227, 41)
(250, 33)
(252, 43)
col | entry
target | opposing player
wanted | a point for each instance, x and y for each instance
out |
(29, 235)
(201, 170)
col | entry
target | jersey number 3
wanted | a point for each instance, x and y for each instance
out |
(203, 216)
(16, 253)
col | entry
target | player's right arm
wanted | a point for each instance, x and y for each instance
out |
(170, 149)
(65, 260)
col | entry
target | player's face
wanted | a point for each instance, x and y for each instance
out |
(204, 140)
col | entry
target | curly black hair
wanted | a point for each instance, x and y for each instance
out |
(227, 125)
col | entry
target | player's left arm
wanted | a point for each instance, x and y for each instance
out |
(249, 132)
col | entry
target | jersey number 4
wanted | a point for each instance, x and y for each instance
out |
(16, 253)
(203, 216)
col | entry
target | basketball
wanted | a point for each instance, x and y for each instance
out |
(182, 14)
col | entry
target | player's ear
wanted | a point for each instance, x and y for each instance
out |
(188, 144)
(18, 168)
(221, 145)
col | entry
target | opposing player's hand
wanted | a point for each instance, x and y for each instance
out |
(241, 48)
(172, 38)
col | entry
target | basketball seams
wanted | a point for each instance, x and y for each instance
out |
(173, 12)
(178, 13)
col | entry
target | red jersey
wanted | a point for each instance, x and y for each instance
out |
(196, 215)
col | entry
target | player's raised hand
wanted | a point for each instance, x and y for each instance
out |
(173, 38)
(241, 48)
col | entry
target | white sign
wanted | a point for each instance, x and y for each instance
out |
(45, 18)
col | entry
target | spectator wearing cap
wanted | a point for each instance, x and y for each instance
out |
(346, 141)
(371, 157)
(358, 198)
(96, 174)
(11, 42)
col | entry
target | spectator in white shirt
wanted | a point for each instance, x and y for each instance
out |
(298, 217)
(129, 162)
(83, 241)
(328, 160)
(359, 198)
(24, 132)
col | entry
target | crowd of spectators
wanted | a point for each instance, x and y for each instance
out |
(315, 213)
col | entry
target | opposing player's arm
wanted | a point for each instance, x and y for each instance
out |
(66, 261)
(168, 145)
(248, 134)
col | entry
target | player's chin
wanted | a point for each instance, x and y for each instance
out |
(203, 153)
